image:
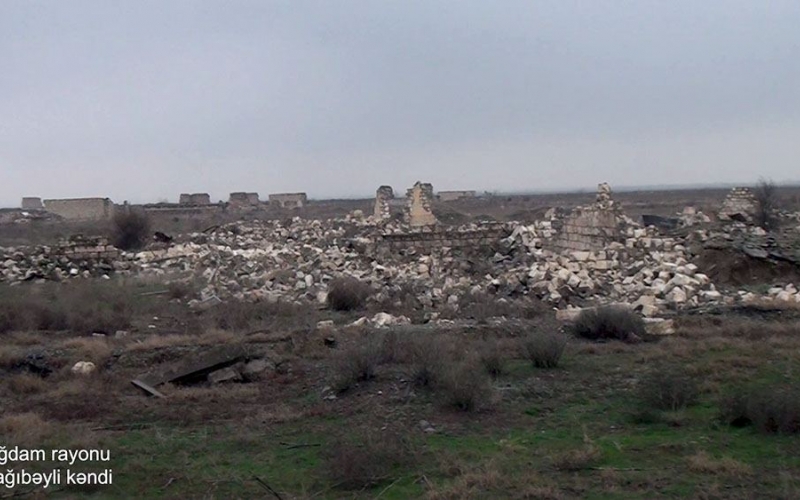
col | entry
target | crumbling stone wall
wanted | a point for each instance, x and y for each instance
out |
(194, 199)
(86, 248)
(244, 199)
(455, 195)
(288, 200)
(593, 227)
(740, 202)
(419, 201)
(426, 240)
(81, 208)
(32, 203)
(383, 197)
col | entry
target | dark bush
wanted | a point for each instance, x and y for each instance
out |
(766, 204)
(668, 389)
(347, 294)
(366, 459)
(430, 355)
(492, 358)
(768, 409)
(465, 385)
(609, 322)
(544, 349)
(356, 364)
(131, 230)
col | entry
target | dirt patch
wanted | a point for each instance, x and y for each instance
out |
(730, 268)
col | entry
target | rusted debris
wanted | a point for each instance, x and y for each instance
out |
(193, 369)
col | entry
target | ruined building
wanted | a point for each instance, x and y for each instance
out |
(81, 208)
(455, 195)
(194, 199)
(592, 227)
(32, 203)
(419, 201)
(288, 200)
(244, 199)
(740, 204)
(384, 201)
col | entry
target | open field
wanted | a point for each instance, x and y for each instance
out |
(424, 419)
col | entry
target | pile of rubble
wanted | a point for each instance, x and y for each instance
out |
(77, 256)
(295, 260)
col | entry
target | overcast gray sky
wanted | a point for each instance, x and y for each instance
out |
(144, 99)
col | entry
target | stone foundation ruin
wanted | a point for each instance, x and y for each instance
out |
(740, 204)
(288, 200)
(241, 199)
(194, 199)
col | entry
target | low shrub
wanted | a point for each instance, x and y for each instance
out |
(347, 294)
(544, 349)
(768, 409)
(492, 358)
(668, 389)
(466, 386)
(356, 364)
(609, 322)
(430, 356)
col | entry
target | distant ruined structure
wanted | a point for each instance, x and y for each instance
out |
(419, 201)
(288, 200)
(386, 204)
(455, 195)
(244, 199)
(740, 204)
(194, 199)
(592, 227)
(32, 203)
(81, 208)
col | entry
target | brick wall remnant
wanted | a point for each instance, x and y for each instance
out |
(244, 199)
(592, 227)
(419, 202)
(288, 200)
(81, 208)
(739, 204)
(455, 195)
(32, 203)
(194, 199)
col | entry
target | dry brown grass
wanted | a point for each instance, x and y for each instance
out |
(153, 342)
(366, 459)
(704, 463)
(26, 338)
(470, 481)
(212, 394)
(10, 356)
(578, 458)
(94, 349)
(25, 384)
(24, 429)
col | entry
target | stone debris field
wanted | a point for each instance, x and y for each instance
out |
(592, 255)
